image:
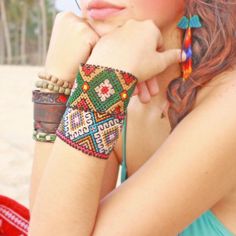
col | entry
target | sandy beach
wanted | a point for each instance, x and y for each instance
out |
(16, 125)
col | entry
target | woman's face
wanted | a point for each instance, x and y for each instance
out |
(164, 13)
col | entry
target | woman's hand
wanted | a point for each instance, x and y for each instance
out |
(146, 90)
(133, 48)
(71, 43)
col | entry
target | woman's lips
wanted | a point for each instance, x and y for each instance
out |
(103, 13)
(100, 9)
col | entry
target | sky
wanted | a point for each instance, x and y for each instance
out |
(67, 5)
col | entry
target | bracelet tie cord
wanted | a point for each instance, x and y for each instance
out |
(96, 109)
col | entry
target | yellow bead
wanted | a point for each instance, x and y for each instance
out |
(61, 90)
(50, 86)
(56, 88)
(67, 91)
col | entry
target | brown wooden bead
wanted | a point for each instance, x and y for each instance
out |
(41, 75)
(60, 83)
(47, 76)
(54, 79)
(65, 85)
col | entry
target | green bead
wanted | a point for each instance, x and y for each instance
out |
(41, 135)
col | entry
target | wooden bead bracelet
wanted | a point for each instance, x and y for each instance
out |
(55, 80)
(52, 87)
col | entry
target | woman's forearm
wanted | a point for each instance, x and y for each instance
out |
(41, 155)
(48, 111)
(50, 193)
(69, 192)
(68, 205)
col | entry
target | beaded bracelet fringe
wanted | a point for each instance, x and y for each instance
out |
(62, 83)
(52, 87)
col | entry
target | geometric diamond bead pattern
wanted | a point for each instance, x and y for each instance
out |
(102, 89)
(91, 132)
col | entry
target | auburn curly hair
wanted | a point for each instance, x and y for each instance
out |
(214, 51)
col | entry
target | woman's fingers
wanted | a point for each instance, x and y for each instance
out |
(146, 90)
(144, 95)
(165, 59)
(152, 86)
(135, 91)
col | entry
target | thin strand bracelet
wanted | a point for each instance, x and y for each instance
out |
(49, 98)
(44, 137)
(62, 83)
(52, 87)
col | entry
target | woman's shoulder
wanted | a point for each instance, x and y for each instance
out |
(148, 115)
(218, 84)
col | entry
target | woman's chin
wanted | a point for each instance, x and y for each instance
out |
(102, 28)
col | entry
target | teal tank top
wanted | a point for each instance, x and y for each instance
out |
(206, 225)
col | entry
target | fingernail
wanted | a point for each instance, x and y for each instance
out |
(183, 56)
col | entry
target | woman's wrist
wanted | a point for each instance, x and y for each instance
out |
(61, 72)
(118, 64)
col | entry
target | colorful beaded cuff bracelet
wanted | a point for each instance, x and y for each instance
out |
(102, 89)
(96, 109)
(52, 87)
(44, 137)
(62, 83)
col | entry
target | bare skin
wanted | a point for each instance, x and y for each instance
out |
(159, 168)
(145, 122)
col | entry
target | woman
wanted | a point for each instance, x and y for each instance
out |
(181, 166)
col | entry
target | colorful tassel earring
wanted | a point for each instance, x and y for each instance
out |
(188, 24)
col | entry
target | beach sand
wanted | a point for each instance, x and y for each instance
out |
(16, 126)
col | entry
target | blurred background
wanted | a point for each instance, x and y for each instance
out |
(25, 31)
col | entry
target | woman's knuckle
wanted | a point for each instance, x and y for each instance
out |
(131, 22)
(64, 15)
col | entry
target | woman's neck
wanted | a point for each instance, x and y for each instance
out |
(172, 39)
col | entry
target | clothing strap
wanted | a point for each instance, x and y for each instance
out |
(124, 167)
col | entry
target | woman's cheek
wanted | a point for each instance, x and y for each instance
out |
(150, 8)
(162, 12)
